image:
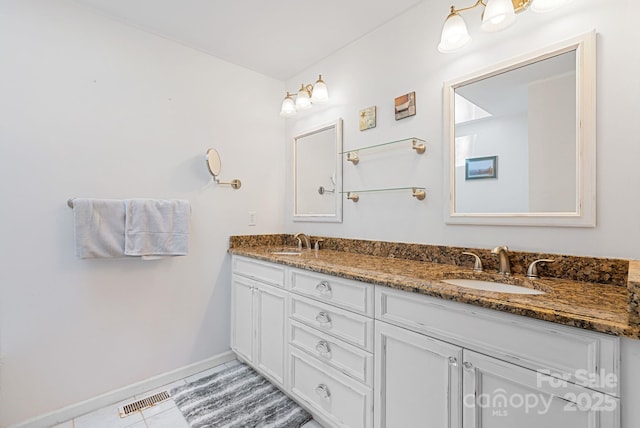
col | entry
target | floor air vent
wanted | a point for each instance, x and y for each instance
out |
(144, 403)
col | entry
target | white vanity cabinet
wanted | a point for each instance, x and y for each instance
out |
(488, 369)
(359, 356)
(258, 317)
(331, 347)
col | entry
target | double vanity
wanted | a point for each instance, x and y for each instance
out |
(392, 335)
(367, 334)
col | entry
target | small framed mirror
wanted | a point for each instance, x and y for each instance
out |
(317, 174)
(213, 162)
(521, 137)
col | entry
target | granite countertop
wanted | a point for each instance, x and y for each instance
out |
(592, 306)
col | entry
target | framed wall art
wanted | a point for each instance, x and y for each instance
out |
(405, 105)
(368, 118)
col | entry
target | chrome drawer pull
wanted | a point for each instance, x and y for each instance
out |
(323, 288)
(323, 349)
(323, 391)
(323, 318)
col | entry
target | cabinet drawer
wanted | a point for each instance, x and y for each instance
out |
(262, 271)
(338, 398)
(348, 294)
(577, 355)
(348, 326)
(498, 387)
(343, 357)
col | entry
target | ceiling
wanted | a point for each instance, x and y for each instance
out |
(278, 38)
(507, 92)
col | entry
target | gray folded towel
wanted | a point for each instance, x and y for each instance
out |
(99, 228)
(156, 227)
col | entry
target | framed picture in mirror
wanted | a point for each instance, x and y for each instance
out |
(484, 167)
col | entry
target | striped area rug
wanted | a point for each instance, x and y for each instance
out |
(237, 397)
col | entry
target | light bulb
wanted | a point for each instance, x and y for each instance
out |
(303, 100)
(498, 15)
(288, 108)
(320, 94)
(454, 33)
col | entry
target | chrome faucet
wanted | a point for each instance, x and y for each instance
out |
(532, 271)
(300, 237)
(503, 254)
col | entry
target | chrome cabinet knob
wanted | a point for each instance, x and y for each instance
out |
(467, 366)
(323, 318)
(453, 361)
(324, 288)
(323, 391)
(322, 347)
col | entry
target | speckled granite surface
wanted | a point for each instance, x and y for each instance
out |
(589, 305)
(634, 292)
(584, 269)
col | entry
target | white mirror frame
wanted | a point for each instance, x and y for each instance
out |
(585, 214)
(328, 218)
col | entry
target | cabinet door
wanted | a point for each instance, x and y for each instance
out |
(242, 330)
(270, 304)
(497, 394)
(417, 380)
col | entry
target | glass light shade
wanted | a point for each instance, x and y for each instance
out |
(454, 34)
(547, 5)
(320, 94)
(303, 100)
(498, 15)
(288, 108)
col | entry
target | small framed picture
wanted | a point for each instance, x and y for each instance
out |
(485, 167)
(405, 105)
(368, 118)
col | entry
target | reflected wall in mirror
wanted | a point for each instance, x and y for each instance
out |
(536, 114)
(317, 174)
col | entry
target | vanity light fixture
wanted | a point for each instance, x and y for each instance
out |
(306, 96)
(497, 15)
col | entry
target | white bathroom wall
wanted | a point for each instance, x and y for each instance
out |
(93, 108)
(401, 57)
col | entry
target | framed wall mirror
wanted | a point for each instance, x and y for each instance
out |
(317, 174)
(522, 139)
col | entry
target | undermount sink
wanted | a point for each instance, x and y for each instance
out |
(498, 287)
(286, 253)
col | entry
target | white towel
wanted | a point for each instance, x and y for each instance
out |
(99, 228)
(156, 227)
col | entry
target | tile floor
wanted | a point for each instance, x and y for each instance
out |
(162, 415)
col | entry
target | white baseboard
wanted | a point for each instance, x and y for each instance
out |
(106, 399)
